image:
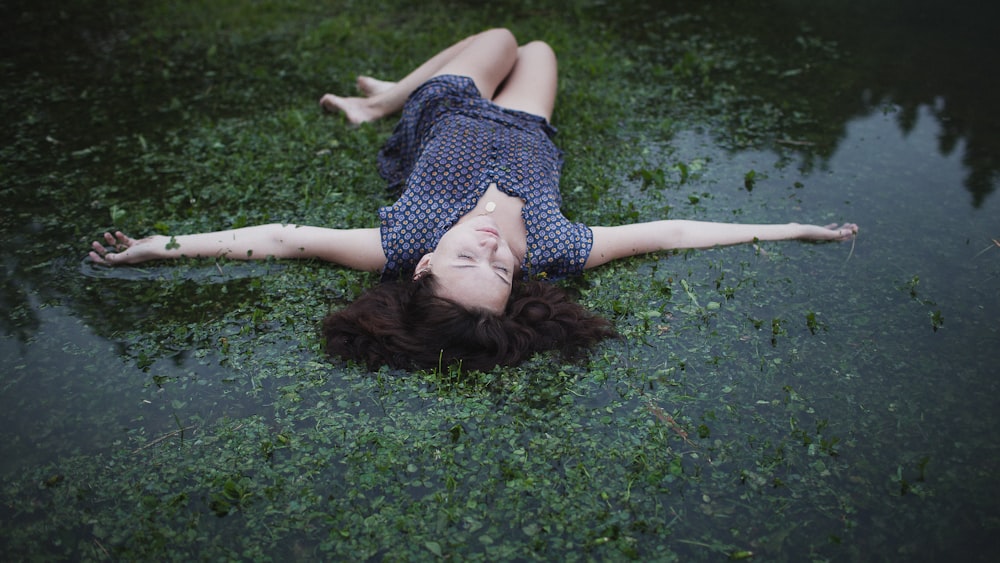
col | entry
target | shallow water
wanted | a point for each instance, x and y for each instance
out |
(882, 351)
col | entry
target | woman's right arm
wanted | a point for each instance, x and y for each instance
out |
(360, 249)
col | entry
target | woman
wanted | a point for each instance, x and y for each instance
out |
(477, 224)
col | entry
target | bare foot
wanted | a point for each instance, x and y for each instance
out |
(370, 86)
(356, 110)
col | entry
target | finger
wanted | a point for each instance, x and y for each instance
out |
(110, 238)
(95, 257)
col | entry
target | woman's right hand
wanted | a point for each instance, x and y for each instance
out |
(123, 250)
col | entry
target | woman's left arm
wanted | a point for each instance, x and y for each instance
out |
(611, 243)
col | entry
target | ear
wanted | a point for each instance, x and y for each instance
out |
(423, 266)
(425, 262)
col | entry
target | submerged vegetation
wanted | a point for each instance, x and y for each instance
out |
(778, 401)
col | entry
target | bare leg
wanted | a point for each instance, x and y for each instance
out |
(385, 98)
(370, 86)
(487, 60)
(531, 85)
(486, 57)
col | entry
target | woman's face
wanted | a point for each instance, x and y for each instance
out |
(473, 265)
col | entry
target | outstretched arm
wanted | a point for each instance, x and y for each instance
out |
(360, 249)
(611, 243)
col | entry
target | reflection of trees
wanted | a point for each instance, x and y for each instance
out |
(919, 53)
(904, 53)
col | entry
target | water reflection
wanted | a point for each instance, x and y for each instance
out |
(892, 55)
(922, 55)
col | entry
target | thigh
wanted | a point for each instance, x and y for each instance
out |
(531, 85)
(487, 60)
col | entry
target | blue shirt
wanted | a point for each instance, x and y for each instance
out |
(448, 147)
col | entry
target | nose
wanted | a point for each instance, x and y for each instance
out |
(489, 242)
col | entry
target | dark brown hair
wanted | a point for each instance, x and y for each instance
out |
(403, 324)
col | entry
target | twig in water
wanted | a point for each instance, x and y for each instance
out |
(669, 421)
(854, 239)
(103, 549)
(795, 142)
(162, 438)
(995, 242)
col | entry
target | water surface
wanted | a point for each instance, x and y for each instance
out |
(791, 400)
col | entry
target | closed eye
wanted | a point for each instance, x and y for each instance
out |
(498, 267)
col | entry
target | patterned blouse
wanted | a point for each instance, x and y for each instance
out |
(448, 147)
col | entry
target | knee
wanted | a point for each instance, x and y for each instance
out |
(537, 53)
(538, 49)
(501, 35)
(503, 43)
